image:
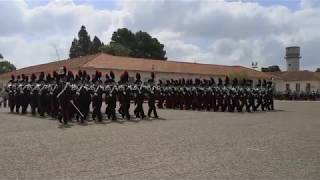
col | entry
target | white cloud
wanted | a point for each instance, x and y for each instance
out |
(233, 33)
(310, 4)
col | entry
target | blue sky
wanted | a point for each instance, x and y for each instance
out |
(99, 4)
(112, 4)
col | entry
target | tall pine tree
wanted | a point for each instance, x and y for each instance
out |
(84, 41)
(96, 45)
(82, 45)
(74, 49)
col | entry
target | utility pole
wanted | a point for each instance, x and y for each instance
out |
(57, 52)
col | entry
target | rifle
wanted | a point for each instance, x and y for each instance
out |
(77, 109)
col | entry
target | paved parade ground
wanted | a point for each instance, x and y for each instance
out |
(284, 144)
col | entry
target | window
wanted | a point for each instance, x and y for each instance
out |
(308, 87)
(298, 87)
(287, 87)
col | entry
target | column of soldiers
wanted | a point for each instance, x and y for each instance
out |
(67, 97)
(211, 96)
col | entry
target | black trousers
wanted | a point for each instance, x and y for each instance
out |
(139, 110)
(97, 110)
(34, 103)
(152, 108)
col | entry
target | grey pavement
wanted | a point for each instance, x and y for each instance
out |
(284, 144)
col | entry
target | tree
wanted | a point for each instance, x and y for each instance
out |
(123, 43)
(6, 66)
(1, 57)
(116, 49)
(148, 47)
(84, 41)
(96, 45)
(124, 37)
(82, 45)
(75, 50)
(141, 44)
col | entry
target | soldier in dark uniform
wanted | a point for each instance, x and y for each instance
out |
(188, 94)
(160, 95)
(65, 97)
(243, 103)
(82, 95)
(112, 98)
(152, 97)
(139, 97)
(41, 95)
(25, 96)
(251, 97)
(270, 95)
(34, 94)
(85, 96)
(258, 96)
(48, 82)
(11, 91)
(235, 96)
(97, 98)
(18, 94)
(124, 96)
(54, 90)
(168, 103)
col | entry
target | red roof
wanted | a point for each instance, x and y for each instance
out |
(108, 62)
(297, 75)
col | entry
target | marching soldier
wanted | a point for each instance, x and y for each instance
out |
(65, 97)
(97, 98)
(139, 97)
(112, 98)
(152, 97)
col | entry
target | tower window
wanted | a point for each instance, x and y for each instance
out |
(288, 87)
(308, 87)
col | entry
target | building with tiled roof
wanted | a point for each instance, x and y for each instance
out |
(162, 69)
(294, 79)
(297, 81)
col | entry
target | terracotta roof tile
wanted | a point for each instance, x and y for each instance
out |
(70, 64)
(297, 75)
(139, 64)
(104, 61)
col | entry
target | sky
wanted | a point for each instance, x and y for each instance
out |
(229, 32)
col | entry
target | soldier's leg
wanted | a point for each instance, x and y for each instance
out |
(150, 109)
(17, 103)
(65, 114)
(94, 112)
(136, 110)
(155, 111)
(127, 107)
(5, 99)
(109, 110)
(113, 109)
(141, 113)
